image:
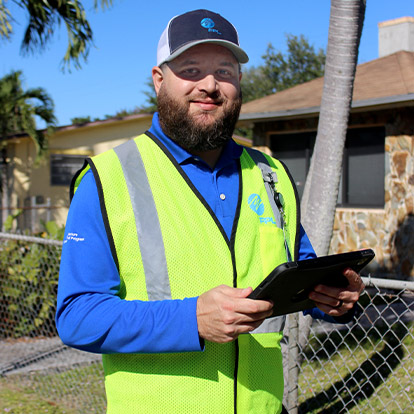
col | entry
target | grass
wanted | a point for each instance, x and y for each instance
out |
(368, 373)
(79, 390)
(21, 401)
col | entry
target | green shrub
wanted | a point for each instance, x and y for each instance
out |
(28, 285)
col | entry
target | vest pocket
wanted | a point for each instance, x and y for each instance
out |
(271, 246)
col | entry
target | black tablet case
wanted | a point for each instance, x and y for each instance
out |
(289, 284)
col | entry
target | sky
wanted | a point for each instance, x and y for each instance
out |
(126, 37)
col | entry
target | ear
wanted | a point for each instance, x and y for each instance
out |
(157, 78)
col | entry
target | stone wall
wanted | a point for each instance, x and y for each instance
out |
(389, 231)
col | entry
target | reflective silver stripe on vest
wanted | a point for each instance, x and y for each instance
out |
(264, 166)
(269, 178)
(146, 220)
(269, 325)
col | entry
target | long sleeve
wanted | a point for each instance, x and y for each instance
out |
(90, 316)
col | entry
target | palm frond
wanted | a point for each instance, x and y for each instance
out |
(19, 109)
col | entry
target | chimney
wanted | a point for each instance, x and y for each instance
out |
(395, 35)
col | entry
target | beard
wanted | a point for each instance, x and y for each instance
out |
(183, 128)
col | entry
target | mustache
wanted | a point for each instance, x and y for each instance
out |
(215, 97)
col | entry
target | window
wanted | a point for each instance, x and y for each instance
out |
(63, 167)
(363, 169)
(295, 150)
(362, 181)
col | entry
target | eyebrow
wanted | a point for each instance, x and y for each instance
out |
(196, 62)
(227, 63)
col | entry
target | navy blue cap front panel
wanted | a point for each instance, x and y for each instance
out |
(199, 25)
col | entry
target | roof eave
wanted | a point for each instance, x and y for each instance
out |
(371, 104)
(106, 122)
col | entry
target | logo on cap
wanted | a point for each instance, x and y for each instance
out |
(208, 23)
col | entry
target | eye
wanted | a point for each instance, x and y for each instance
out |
(190, 72)
(224, 73)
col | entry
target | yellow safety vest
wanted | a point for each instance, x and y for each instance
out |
(168, 244)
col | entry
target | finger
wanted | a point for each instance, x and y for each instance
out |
(326, 300)
(324, 290)
(354, 279)
(345, 300)
(235, 292)
(245, 292)
(254, 317)
(333, 310)
(253, 307)
(249, 327)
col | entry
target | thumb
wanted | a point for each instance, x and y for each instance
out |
(353, 277)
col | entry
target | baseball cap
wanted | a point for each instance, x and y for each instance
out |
(195, 27)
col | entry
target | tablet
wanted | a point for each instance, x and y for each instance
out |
(289, 284)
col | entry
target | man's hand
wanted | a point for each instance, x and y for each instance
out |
(338, 301)
(223, 313)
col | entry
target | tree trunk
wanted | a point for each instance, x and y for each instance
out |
(322, 184)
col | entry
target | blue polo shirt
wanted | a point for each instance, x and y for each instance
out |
(90, 316)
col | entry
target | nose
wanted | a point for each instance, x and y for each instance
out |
(208, 84)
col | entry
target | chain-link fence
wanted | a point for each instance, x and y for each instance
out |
(33, 360)
(363, 367)
(366, 366)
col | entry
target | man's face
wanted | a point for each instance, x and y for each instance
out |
(199, 97)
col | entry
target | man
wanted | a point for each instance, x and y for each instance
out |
(164, 242)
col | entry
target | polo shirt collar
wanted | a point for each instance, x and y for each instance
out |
(232, 150)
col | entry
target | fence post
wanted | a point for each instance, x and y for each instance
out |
(48, 206)
(293, 368)
(33, 213)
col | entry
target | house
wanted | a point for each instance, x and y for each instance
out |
(376, 200)
(42, 191)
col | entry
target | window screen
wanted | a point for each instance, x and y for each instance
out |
(362, 181)
(63, 167)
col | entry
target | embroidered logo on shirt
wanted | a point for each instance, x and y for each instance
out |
(75, 237)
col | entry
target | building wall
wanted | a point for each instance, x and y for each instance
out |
(28, 179)
(389, 231)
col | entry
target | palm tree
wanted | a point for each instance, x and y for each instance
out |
(18, 112)
(322, 184)
(44, 16)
